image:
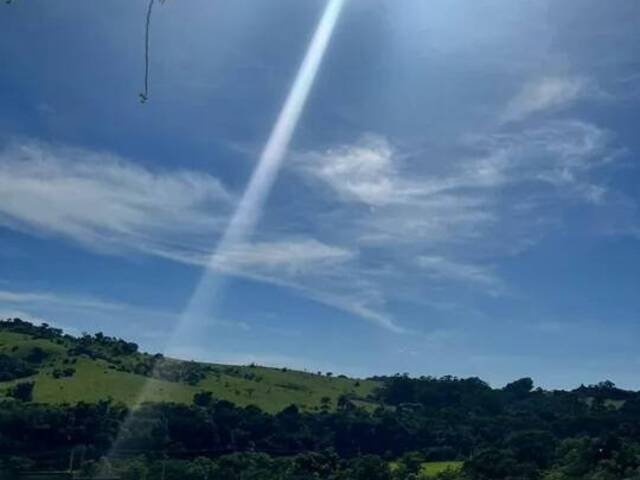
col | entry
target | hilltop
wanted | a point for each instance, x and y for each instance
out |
(68, 369)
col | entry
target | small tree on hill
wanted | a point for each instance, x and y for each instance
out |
(22, 391)
(203, 399)
(519, 388)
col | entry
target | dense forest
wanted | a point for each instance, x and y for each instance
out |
(408, 425)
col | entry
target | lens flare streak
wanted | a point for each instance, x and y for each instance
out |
(248, 211)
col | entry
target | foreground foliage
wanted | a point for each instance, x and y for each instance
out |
(410, 428)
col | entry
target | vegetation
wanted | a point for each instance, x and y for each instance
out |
(386, 428)
(98, 367)
(12, 368)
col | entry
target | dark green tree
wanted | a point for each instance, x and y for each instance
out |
(22, 391)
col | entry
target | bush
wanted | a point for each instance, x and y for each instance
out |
(64, 373)
(22, 391)
(37, 355)
(12, 368)
(203, 399)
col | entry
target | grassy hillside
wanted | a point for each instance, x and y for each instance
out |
(71, 369)
(432, 469)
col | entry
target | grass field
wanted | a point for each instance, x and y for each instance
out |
(431, 469)
(270, 389)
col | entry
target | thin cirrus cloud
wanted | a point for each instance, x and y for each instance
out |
(447, 220)
(416, 200)
(546, 93)
(42, 306)
(363, 172)
(104, 202)
(9, 297)
(440, 268)
(398, 218)
(557, 158)
(110, 205)
(49, 306)
(294, 255)
(327, 274)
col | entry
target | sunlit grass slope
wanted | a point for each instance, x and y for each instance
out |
(431, 469)
(95, 379)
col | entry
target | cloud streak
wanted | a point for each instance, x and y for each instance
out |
(111, 205)
(444, 221)
(105, 202)
(543, 94)
(402, 225)
(439, 268)
(48, 298)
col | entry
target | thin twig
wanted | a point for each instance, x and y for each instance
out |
(145, 95)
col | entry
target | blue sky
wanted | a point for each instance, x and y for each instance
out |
(460, 195)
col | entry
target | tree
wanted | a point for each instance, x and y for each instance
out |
(22, 391)
(37, 355)
(325, 402)
(492, 464)
(413, 461)
(519, 388)
(12, 368)
(532, 446)
(399, 389)
(203, 399)
(368, 467)
(202, 468)
(344, 403)
(135, 470)
(12, 467)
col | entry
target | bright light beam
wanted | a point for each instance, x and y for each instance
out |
(248, 211)
(250, 207)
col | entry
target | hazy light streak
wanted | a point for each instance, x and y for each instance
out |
(248, 211)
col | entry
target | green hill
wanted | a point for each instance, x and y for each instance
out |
(441, 428)
(69, 369)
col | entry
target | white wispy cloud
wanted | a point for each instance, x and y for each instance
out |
(107, 203)
(288, 255)
(68, 311)
(367, 303)
(438, 220)
(326, 274)
(363, 172)
(557, 154)
(49, 298)
(546, 93)
(440, 268)
(294, 256)
(111, 205)
(397, 220)
(62, 309)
